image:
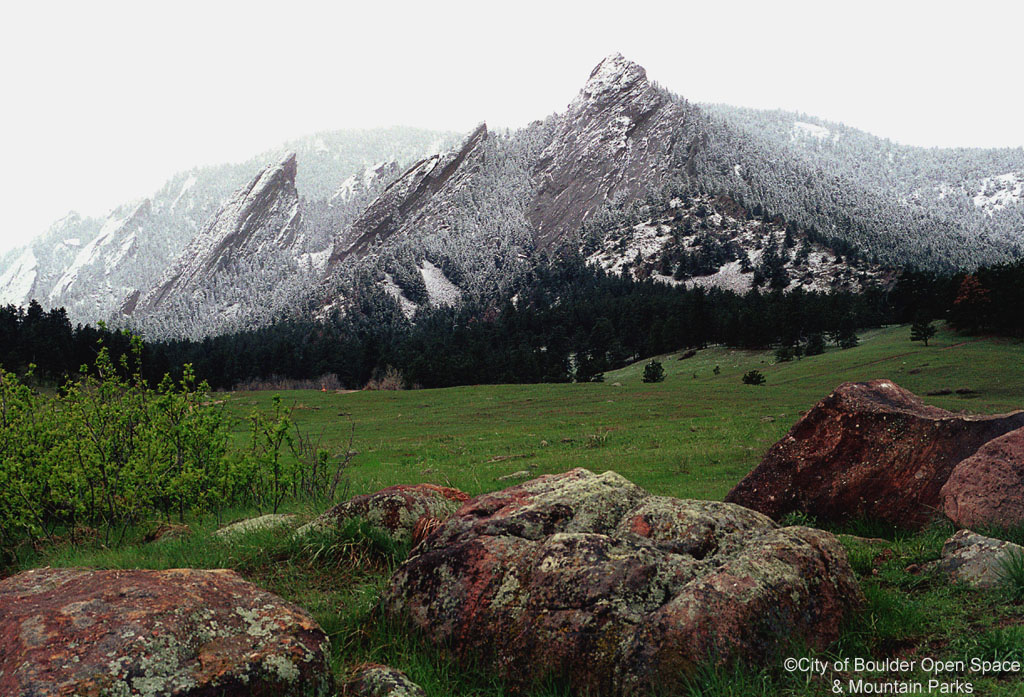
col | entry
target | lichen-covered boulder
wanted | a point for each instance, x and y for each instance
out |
(590, 579)
(976, 560)
(404, 512)
(374, 680)
(182, 632)
(263, 522)
(987, 488)
(869, 450)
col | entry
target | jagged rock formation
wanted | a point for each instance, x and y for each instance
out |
(614, 143)
(71, 266)
(592, 582)
(263, 213)
(181, 632)
(472, 222)
(868, 451)
(411, 198)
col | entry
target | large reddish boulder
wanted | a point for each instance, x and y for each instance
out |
(403, 512)
(987, 488)
(869, 450)
(590, 580)
(182, 632)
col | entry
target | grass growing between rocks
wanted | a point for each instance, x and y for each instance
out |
(692, 436)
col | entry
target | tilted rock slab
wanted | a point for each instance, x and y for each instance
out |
(869, 450)
(976, 560)
(402, 511)
(988, 487)
(592, 580)
(182, 632)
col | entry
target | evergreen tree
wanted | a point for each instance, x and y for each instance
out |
(922, 330)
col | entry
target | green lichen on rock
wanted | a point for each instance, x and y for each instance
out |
(178, 632)
(589, 579)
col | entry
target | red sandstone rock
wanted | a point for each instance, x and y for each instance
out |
(180, 633)
(590, 580)
(869, 450)
(398, 510)
(987, 488)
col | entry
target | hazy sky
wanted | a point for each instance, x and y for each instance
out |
(103, 101)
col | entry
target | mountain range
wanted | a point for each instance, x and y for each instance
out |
(632, 177)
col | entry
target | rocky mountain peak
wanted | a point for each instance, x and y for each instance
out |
(612, 76)
(613, 143)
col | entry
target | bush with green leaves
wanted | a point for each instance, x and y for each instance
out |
(107, 451)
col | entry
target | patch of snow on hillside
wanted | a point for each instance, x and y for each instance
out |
(440, 290)
(729, 277)
(407, 306)
(802, 129)
(17, 281)
(72, 242)
(86, 255)
(317, 261)
(996, 193)
(647, 239)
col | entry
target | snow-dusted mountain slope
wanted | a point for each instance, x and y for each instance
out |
(91, 276)
(711, 242)
(774, 198)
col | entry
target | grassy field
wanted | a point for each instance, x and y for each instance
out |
(692, 436)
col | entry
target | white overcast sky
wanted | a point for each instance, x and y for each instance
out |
(103, 101)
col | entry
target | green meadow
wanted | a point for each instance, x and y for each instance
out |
(692, 436)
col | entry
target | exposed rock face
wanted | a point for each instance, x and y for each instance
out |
(974, 559)
(381, 681)
(404, 512)
(408, 200)
(869, 450)
(591, 580)
(264, 212)
(987, 488)
(613, 143)
(181, 632)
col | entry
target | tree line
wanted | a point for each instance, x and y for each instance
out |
(573, 322)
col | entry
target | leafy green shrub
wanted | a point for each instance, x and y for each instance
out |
(108, 451)
(653, 372)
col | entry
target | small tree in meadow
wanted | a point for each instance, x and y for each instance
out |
(922, 330)
(753, 377)
(654, 372)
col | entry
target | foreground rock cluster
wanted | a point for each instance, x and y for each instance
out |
(876, 451)
(182, 632)
(584, 579)
(592, 580)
